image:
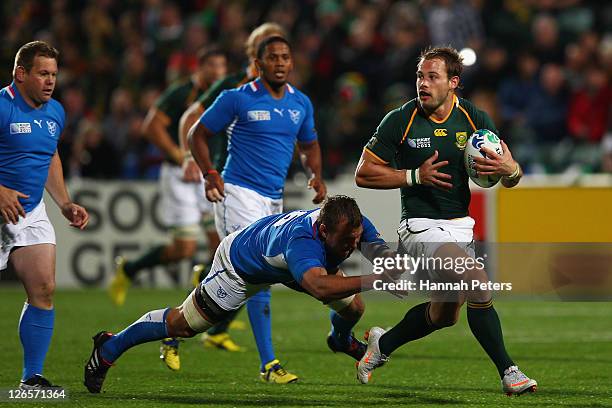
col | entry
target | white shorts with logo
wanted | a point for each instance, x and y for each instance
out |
(223, 284)
(182, 204)
(241, 207)
(422, 237)
(34, 229)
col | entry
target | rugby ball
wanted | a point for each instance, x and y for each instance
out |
(479, 139)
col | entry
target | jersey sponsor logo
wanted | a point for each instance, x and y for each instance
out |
(51, 127)
(461, 138)
(258, 115)
(440, 132)
(295, 115)
(279, 111)
(38, 122)
(20, 127)
(420, 143)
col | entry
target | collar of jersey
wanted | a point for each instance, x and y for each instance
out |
(22, 101)
(450, 112)
(256, 85)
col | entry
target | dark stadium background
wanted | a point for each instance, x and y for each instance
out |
(542, 70)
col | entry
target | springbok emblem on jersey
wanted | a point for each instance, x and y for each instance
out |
(52, 127)
(295, 115)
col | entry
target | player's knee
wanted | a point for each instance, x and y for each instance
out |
(177, 325)
(480, 293)
(185, 250)
(43, 293)
(443, 317)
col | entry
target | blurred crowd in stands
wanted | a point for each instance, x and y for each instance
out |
(543, 69)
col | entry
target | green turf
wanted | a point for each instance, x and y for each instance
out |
(567, 347)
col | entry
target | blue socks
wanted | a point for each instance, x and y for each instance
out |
(258, 307)
(151, 326)
(35, 331)
(340, 328)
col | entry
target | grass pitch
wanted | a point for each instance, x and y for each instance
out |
(567, 347)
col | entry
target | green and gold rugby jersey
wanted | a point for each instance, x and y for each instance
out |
(174, 102)
(217, 145)
(406, 137)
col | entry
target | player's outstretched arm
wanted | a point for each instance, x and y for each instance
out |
(56, 187)
(310, 155)
(198, 142)
(326, 287)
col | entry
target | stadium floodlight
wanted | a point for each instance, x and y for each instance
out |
(469, 56)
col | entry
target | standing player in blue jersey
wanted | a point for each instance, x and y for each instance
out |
(302, 249)
(30, 125)
(264, 118)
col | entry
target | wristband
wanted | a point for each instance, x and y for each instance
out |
(515, 174)
(412, 177)
(209, 172)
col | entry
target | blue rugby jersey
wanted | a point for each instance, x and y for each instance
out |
(28, 141)
(261, 134)
(280, 248)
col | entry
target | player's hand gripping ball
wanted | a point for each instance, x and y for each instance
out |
(479, 139)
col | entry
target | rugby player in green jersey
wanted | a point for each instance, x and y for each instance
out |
(419, 149)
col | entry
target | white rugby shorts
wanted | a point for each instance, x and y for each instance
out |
(34, 229)
(241, 207)
(182, 204)
(223, 284)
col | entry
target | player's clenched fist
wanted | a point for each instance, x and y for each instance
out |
(430, 176)
(215, 190)
(10, 207)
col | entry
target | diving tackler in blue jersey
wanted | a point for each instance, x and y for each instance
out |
(301, 249)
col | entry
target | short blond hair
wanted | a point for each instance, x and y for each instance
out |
(263, 31)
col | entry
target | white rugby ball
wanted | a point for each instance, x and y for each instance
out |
(479, 139)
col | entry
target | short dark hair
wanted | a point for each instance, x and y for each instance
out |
(207, 52)
(450, 56)
(338, 208)
(270, 40)
(26, 54)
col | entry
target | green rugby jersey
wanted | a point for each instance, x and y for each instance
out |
(174, 102)
(406, 137)
(218, 144)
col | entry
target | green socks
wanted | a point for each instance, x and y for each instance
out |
(413, 326)
(485, 326)
(150, 258)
